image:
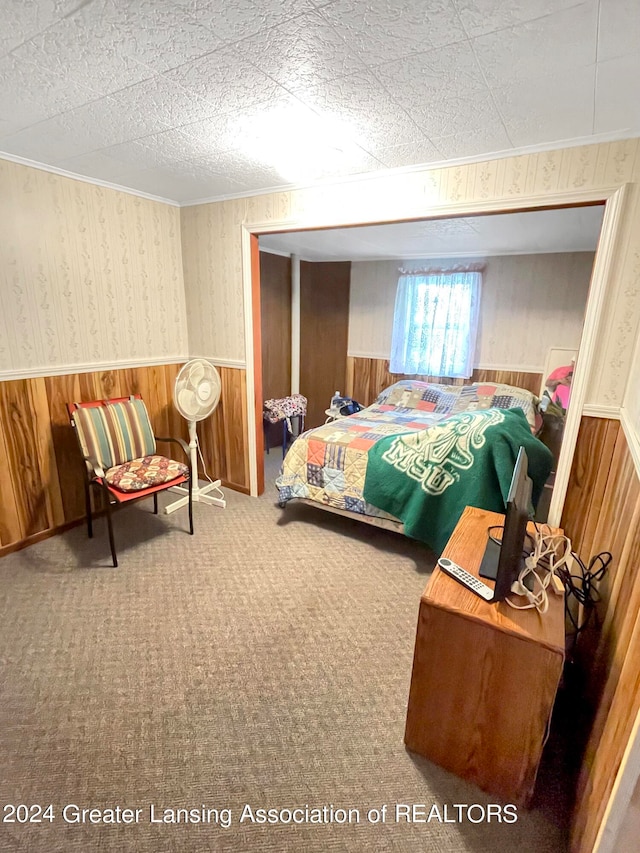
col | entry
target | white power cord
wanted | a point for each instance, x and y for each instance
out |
(551, 551)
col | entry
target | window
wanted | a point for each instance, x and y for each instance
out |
(435, 322)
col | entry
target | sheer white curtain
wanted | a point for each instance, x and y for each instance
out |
(435, 323)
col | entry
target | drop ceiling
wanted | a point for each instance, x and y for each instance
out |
(189, 100)
(573, 229)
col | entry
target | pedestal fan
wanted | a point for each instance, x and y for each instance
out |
(196, 394)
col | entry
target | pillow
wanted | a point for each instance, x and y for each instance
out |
(426, 396)
(451, 399)
(491, 395)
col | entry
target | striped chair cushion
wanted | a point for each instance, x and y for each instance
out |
(115, 433)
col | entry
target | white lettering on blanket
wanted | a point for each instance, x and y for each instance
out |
(435, 456)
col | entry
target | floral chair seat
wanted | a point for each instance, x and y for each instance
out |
(144, 473)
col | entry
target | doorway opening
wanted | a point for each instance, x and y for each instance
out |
(601, 283)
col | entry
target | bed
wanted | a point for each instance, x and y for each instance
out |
(468, 435)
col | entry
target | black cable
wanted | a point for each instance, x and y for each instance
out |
(585, 592)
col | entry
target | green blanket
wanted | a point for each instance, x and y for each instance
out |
(427, 478)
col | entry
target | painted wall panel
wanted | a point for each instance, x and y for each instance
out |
(520, 294)
(87, 274)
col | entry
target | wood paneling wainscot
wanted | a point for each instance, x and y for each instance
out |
(602, 512)
(40, 468)
(366, 378)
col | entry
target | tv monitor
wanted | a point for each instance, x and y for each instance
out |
(502, 562)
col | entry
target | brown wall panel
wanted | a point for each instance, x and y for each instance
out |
(324, 330)
(40, 465)
(10, 530)
(60, 391)
(21, 446)
(275, 315)
(367, 377)
(223, 435)
(46, 452)
(275, 325)
(602, 512)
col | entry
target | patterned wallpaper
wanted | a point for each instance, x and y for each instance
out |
(216, 315)
(212, 257)
(529, 304)
(88, 275)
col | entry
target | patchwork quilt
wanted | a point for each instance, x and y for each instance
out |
(328, 464)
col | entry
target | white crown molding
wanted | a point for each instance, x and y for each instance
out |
(54, 170)
(93, 367)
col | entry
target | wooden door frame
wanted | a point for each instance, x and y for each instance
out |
(601, 287)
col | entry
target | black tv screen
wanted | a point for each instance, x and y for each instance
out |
(502, 562)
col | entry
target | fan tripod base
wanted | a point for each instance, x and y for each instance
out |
(200, 495)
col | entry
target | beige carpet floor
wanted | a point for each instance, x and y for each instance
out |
(263, 662)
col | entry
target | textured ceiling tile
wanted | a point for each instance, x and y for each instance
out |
(88, 128)
(369, 115)
(290, 146)
(7, 128)
(245, 171)
(617, 102)
(158, 103)
(21, 20)
(48, 143)
(225, 80)
(490, 139)
(439, 74)
(382, 32)
(169, 147)
(86, 49)
(301, 53)
(552, 44)
(231, 130)
(232, 21)
(460, 114)
(29, 94)
(548, 109)
(485, 16)
(141, 153)
(409, 154)
(161, 34)
(619, 29)
(179, 186)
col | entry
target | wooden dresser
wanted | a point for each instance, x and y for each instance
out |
(484, 675)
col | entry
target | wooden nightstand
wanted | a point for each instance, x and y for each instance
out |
(484, 675)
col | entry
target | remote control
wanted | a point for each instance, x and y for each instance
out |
(466, 579)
